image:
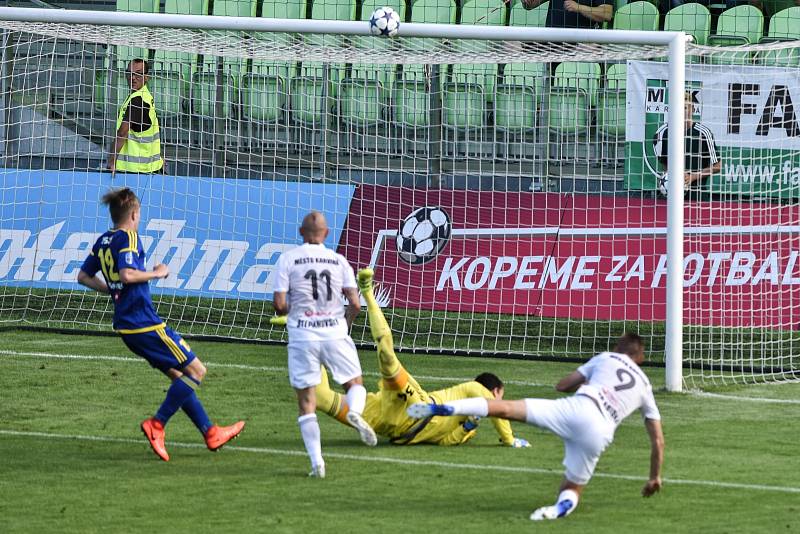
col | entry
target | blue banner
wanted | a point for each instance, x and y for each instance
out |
(219, 237)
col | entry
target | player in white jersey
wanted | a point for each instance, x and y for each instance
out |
(309, 283)
(609, 387)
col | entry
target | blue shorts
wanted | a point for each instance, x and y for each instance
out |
(163, 348)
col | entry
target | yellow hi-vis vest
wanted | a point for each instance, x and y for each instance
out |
(142, 151)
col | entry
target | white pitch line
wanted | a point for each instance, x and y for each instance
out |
(403, 461)
(125, 359)
(454, 379)
(722, 396)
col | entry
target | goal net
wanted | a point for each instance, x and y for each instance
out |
(507, 193)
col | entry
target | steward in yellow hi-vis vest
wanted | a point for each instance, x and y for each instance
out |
(137, 147)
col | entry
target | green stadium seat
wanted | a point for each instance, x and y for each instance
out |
(692, 18)
(311, 101)
(366, 92)
(534, 18)
(773, 7)
(204, 82)
(740, 25)
(183, 62)
(488, 12)
(518, 96)
(436, 11)
(122, 56)
(265, 88)
(611, 103)
(637, 16)
(571, 100)
(742, 21)
(783, 26)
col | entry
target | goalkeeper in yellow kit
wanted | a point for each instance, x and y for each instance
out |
(385, 410)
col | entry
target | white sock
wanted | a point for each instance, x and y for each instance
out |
(356, 398)
(309, 429)
(567, 502)
(476, 406)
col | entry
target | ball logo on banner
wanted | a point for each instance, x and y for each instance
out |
(423, 234)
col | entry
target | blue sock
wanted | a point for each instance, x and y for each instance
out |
(177, 394)
(194, 409)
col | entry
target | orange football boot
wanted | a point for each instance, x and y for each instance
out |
(217, 436)
(154, 432)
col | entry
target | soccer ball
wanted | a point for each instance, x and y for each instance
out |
(423, 234)
(384, 22)
(663, 188)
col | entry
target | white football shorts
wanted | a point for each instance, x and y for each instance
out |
(577, 420)
(338, 355)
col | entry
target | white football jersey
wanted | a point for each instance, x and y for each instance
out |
(619, 386)
(313, 278)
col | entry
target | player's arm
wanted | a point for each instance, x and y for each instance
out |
(653, 427)
(693, 176)
(571, 382)
(354, 305)
(135, 276)
(280, 303)
(119, 142)
(86, 275)
(532, 4)
(92, 282)
(601, 13)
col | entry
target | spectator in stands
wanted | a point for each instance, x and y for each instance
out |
(701, 156)
(137, 147)
(575, 13)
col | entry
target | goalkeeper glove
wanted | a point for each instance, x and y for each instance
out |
(471, 423)
(278, 320)
(520, 443)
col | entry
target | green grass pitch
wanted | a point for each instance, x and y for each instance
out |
(72, 458)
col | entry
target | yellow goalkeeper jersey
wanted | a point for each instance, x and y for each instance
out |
(385, 411)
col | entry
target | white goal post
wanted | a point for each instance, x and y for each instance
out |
(223, 239)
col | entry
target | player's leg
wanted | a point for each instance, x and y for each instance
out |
(341, 357)
(163, 353)
(580, 459)
(304, 376)
(329, 401)
(394, 375)
(193, 373)
(514, 410)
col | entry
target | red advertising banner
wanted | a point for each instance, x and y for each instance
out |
(595, 257)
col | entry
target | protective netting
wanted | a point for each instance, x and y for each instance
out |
(507, 194)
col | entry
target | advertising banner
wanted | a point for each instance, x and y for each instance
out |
(752, 113)
(219, 237)
(593, 257)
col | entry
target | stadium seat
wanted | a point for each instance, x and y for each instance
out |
(516, 108)
(205, 82)
(611, 107)
(783, 26)
(637, 16)
(364, 98)
(572, 98)
(773, 7)
(410, 95)
(122, 56)
(312, 101)
(534, 18)
(692, 18)
(265, 88)
(739, 25)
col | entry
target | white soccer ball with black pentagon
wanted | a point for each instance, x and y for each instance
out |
(423, 234)
(385, 22)
(663, 186)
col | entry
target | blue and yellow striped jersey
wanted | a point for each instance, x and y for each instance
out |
(133, 307)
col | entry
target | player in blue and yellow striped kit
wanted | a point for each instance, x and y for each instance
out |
(119, 255)
(385, 410)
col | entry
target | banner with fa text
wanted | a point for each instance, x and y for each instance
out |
(749, 110)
